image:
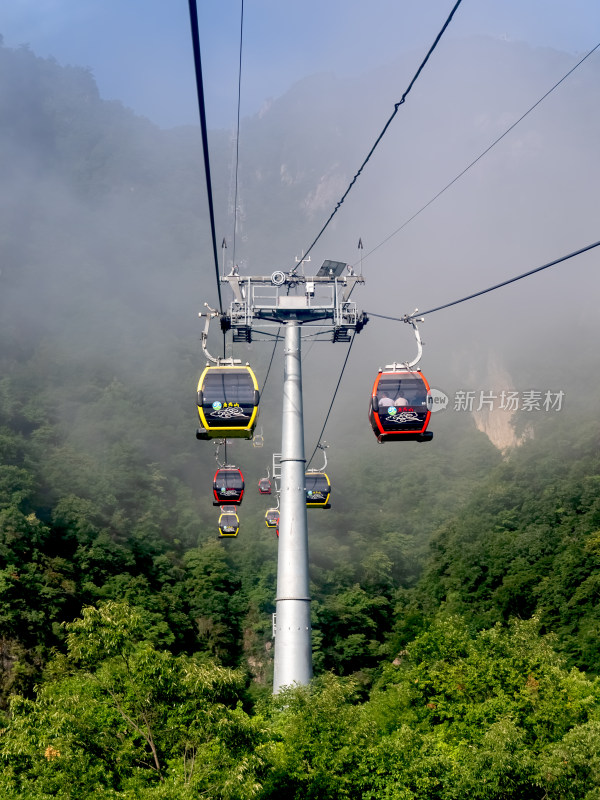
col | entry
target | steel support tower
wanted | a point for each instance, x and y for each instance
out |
(293, 650)
(293, 300)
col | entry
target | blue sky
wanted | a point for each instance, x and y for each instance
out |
(139, 51)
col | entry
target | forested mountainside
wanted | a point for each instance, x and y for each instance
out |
(454, 589)
(106, 492)
(526, 544)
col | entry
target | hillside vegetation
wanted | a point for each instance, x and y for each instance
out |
(455, 622)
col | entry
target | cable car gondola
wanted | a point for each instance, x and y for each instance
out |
(228, 486)
(264, 486)
(398, 409)
(229, 524)
(227, 403)
(272, 518)
(318, 490)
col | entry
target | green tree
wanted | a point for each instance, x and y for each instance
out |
(321, 742)
(463, 715)
(119, 717)
(216, 604)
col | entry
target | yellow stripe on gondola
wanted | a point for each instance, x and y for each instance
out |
(232, 431)
(323, 502)
(235, 522)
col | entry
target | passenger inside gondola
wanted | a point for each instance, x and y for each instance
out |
(386, 402)
(398, 408)
(400, 392)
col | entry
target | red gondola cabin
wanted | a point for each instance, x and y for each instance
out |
(264, 486)
(228, 486)
(398, 409)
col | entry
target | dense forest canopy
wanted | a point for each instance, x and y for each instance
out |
(454, 585)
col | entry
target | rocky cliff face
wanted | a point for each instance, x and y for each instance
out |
(494, 410)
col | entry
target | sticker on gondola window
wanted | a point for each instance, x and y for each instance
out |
(228, 413)
(406, 416)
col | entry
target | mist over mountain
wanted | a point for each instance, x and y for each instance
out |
(107, 260)
(102, 187)
(107, 248)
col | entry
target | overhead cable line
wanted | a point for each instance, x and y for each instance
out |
(482, 154)
(409, 317)
(325, 336)
(332, 400)
(387, 124)
(202, 111)
(266, 333)
(237, 133)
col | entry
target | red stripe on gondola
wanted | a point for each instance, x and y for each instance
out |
(238, 495)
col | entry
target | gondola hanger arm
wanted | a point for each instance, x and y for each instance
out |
(410, 318)
(321, 446)
(219, 443)
(220, 362)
